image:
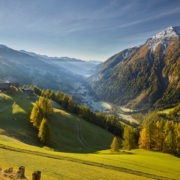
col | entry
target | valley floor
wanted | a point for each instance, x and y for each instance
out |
(80, 91)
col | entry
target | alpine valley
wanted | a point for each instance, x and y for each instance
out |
(64, 118)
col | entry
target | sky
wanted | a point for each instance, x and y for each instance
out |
(83, 29)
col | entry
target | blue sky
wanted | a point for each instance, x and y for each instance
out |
(85, 29)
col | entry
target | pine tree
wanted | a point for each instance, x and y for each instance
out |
(49, 107)
(177, 137)
(115, 145)
(52, 96)
(36, 116)
(166, 130)
(144, 139)
(58, 97)
(42, 105)
(42, 93)
(46, 106)
(65, 101)
(44, 132)
(70, 104)
(129, 138)
(159, 135)
(169, 141)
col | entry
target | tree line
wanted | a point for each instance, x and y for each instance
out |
(160, 134)
(157, 133)
(112, 124)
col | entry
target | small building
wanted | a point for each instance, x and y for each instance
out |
(28, 90)
(4, 86)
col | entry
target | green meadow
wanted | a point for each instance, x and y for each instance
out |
(80, 149)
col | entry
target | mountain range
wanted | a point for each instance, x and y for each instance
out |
(45, 72)
(145, 76)
(77, 66)
(140, 77)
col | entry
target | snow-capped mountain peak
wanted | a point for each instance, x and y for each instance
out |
(173, 31)
(164, 38)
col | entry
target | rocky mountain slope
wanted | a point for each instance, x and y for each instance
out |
(144, 76)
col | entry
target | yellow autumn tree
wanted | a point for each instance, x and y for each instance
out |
(70, 104)
(114, 145)
(36, 116)
(144, 140)
(46, 106)
(44, 132)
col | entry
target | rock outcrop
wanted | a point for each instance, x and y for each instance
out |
(20, 174)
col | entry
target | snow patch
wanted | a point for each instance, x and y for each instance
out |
(137, 46)
(151, 50)
(165, 46)
(125, 54)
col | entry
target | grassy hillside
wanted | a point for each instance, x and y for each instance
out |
(68, 132)
(81, 149)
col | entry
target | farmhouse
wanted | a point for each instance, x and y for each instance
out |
(4, 86)
(28, 90)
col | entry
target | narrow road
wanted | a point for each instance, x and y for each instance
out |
(80, 136)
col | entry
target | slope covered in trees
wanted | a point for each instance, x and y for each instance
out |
(142, 77)
(41, 108)
(68, 132)
(160, 134)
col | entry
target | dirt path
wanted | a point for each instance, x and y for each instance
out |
(80, 136)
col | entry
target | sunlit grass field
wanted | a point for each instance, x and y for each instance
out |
(79, 152)
(137, 164)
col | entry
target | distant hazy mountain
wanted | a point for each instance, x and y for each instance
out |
(74, 65)
(143, 76)
(32, 69)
